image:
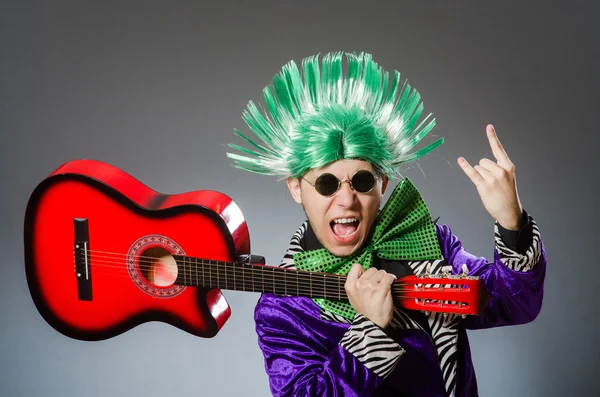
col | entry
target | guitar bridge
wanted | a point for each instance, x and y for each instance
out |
(83, 268)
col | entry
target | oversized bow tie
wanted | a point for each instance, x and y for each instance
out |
(403, 230)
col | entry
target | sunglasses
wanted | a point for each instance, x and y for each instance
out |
(328, 184)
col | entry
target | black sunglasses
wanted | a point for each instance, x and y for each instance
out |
(328, 184)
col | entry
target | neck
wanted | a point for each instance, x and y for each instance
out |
(236, 276)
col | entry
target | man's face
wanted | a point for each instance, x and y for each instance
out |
(341, 222)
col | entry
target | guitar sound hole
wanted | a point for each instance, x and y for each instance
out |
(158, 267)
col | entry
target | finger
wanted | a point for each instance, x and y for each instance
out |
(475, 177)
(377, 277)
(389, 279)
(355, 272)
(497, 149)
(485, 174)
(386, 283)
(492, 168)
(369, 273)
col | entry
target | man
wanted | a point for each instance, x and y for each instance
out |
(338, 139)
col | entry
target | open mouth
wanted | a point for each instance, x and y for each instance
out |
(344, 228)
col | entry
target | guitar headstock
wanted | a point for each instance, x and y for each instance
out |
(453, 294)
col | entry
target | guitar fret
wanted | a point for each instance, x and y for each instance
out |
(250, 268)
(243, 267)
(224, 276)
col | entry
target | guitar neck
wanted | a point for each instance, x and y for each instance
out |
(234, 276)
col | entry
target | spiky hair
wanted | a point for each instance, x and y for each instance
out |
(326, 116)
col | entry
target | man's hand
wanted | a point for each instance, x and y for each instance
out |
(370, 293)
(496, 183)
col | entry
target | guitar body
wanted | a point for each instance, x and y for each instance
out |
(122, 223)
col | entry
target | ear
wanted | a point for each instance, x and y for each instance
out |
(294, 187)
(384, 184)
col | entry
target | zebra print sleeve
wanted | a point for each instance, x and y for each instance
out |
(371, 346)
(512, 259)
(288, 259)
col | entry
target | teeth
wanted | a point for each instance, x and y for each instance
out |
(346, 220)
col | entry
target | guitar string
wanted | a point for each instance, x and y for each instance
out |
(315, 288)
(237, 269)
(429, 304)
(247, 280)
(201, 261)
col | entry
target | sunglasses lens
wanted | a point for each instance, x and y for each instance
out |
(326, 184)
(363, 181)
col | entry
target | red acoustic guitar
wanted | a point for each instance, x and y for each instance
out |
(105, 253)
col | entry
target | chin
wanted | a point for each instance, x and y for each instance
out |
(343, 250)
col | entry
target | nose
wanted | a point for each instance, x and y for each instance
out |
(346, 195)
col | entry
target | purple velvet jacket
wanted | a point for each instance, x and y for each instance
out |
(308, 353)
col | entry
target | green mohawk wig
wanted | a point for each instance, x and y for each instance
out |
(325, 116)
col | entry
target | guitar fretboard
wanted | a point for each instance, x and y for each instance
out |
(258, 278)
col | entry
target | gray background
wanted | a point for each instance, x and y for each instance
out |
(156, 89)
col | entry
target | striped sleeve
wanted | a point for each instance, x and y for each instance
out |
(287, 261)
(330, 316)
(372, 346)
(512, 259)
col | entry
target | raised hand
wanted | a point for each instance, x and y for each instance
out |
(370, 293)
(496, 184)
